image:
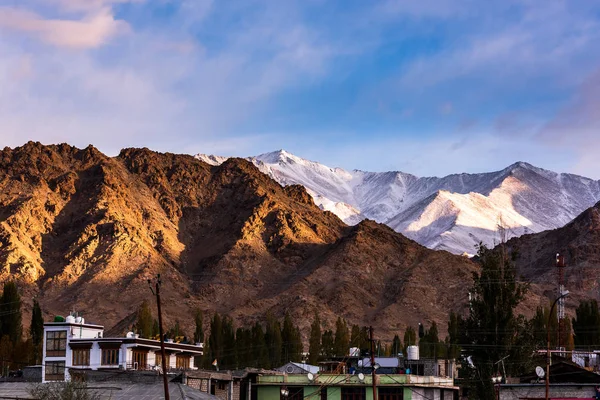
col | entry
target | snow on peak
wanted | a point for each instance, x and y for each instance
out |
(453, 213)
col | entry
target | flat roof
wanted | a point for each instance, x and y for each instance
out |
(73, 324)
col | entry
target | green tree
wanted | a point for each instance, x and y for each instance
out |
(215, 339)
(260, 351)
(228, 334)
(429, 345)
(396, 346)
(586, 325)
(199, 331)
(155, 328)
(327, 344)
(492, 330)
(410, 337)
(453, 339)
(292, 341)
(144, 320)
(36, 331)
(243, 348)
(10, 313)
(342, 338)
(314, 343)
(274, 341)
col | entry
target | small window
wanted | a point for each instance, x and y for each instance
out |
(55, 371)
(56, 343)
(353, 393)
(81, 357)
(110, 356)
(393, 393)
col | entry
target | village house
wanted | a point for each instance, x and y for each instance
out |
(72, 344)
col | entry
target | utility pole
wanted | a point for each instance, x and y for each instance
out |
(160, 331)
(373, 363)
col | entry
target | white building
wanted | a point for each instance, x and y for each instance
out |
(72, 344)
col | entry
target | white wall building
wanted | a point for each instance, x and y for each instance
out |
(72, 344)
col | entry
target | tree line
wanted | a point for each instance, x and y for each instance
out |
(16, 348)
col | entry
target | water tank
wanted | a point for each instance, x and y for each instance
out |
(354, 352)
(82, 321)
(78, 320)
(70, 319)
(59, 318)
(412, 353)
(130, 335)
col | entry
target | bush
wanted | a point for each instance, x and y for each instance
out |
(63, 391)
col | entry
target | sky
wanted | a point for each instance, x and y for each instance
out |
(430, 87)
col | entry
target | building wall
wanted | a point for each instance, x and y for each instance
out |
(539, 391)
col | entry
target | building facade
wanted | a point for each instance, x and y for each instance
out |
(71, 344)
(354, 387)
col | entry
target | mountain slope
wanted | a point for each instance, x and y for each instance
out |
(452, 213)
(579, 242)
(80, 230)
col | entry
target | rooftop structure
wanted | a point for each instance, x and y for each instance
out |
(71, 344)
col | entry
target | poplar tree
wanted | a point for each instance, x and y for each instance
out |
(259, 347)
(274, 341)
(215, 339)
(228, 334)
(342, 338)
(199, 331)
(314, 343)
(396, 346)
(36, 331)
(10, 313)
(410, 337)
(327, 343)
(144, 321)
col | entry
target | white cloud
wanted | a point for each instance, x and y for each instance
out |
(91, 31)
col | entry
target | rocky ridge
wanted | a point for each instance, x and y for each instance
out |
(84, 231)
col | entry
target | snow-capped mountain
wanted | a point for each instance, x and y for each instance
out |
(451, 213)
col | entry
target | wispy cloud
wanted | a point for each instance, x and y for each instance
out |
(92, 30)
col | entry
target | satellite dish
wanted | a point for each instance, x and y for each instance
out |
(539, 371)
(310, 376)
(361, 376)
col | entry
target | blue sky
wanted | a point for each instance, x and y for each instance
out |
(430, 87)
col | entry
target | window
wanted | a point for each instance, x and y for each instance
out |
(55, 371)
(140, 359)
(110, 356)
(395, 393)
(81, 356)
(294, 393)
(56, 343)
(158, 361)
(324, 393)
(182, 362)
(353, 393)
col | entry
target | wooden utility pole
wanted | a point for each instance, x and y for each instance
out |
(373, 363)
(162, 338)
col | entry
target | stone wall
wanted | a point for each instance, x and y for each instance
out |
(575, 391)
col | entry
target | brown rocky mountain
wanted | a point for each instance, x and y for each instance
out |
(83, 231)
(579, 242)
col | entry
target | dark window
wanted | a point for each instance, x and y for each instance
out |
(324, 394)
(395, 393)
(81, 357)
(56, 343)
(55, 371)
(110, 356)
(353, 393)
